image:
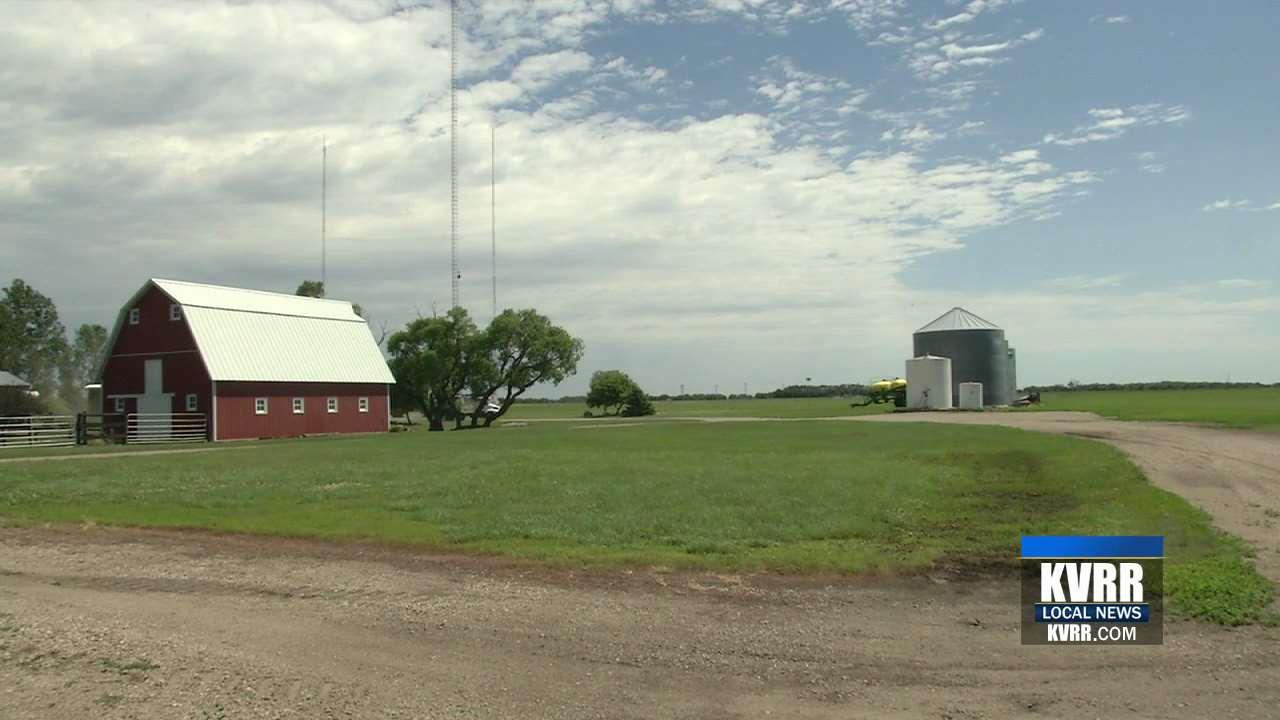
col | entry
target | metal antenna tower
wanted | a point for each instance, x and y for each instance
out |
(324, 202)
(454, 275)
(493, 212)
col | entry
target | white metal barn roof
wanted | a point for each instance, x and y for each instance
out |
(958, 318)
(256, 336)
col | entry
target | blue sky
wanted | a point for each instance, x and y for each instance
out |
(709, 192)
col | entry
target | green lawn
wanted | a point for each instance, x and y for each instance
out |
(1244, 408)
(771, 408)
(796, 496)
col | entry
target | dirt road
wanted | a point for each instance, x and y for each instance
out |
(143, 624)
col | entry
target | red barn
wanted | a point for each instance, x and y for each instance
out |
(255, 364)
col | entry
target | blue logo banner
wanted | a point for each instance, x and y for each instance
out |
(1092, 546)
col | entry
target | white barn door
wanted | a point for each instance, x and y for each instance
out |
(154, 406)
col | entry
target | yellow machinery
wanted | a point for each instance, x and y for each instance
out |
(885, 390)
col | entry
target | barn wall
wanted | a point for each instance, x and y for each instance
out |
(155, 337)
(237, 420)
(183, 373)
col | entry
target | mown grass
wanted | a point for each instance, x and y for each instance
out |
(766, 408)
(789, 496)
(1238, 407)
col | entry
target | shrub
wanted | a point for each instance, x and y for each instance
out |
(637, 404)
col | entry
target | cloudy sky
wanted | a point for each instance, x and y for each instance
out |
(708, 192)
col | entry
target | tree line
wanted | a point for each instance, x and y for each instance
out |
(35, 346)
(1076, 386)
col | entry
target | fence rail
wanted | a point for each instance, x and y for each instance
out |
(37, 431)
(154, 428)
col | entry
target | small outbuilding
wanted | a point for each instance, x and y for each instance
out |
(253, 364)
(10, 381)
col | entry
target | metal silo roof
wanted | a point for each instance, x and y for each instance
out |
(958, 318)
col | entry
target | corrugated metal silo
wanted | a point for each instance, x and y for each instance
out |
(978, 351)
(1013, 374)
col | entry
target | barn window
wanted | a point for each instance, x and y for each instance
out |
(135, 316)
(299, 406)
(332, 405)
(259, 406)
(119, 405)
(364, 404)
(175, 311)
(192, 402)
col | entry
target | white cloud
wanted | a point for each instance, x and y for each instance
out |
(1110, 19)
(917, 135)
(787, 85)
(940, 55)
(957, 19)
(1086, 282)
(1227, 204)
(1021, 156)
(1244, 284)
(539, 71)
(1149, 162)
(1112, 123)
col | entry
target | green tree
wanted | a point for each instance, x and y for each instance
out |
(519, 349)
(310, 288)
(609, 390)
(433, 360)
(81, 364)
(33, 342)
(637, 403)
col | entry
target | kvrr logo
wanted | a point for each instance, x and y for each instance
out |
(1099, 582)
(1087, 589)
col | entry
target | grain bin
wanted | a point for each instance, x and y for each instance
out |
(1012, 372)
(970, 397)
(978, 352)
(929, 383)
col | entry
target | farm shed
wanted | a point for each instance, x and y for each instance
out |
(252, 364)
(9, 380)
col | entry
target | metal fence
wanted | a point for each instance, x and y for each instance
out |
(37, 431)
(152, 428)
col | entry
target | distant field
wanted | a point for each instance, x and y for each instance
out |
(796, 496)
(1244, 408)
(771, 408)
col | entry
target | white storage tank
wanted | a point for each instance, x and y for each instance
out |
(929, 383)
(970, 396)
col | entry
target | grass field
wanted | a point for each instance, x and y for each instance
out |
(796, 496)
(1244, 408)
(771, 408)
